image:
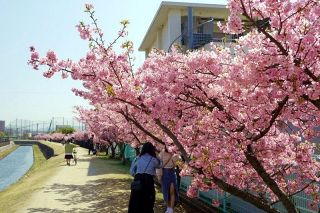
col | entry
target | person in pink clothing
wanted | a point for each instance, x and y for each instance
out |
(168, 179)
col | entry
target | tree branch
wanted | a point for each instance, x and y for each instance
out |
(258, 167)
(316, 102)
(139, 126)
(276, 112)
(174, 139)
(246, 196)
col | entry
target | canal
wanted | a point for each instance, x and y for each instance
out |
(15, 165)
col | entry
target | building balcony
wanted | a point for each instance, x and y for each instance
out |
(201, 39)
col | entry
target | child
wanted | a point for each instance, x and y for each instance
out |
(68, 151)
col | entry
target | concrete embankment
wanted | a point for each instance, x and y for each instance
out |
(46, 150)
(6, 146)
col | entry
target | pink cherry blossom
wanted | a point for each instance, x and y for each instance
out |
(242, 119)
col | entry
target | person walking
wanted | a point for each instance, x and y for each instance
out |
(90, 144)
(168, 179)
(68, 148)
(143, 168)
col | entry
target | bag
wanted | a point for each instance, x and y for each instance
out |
(136, 186)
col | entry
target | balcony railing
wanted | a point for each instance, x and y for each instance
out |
(201, 39)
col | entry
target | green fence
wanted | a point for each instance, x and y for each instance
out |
(233, 204)
(129, 152)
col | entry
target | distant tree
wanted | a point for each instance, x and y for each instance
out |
(2, 134)
(66, 130)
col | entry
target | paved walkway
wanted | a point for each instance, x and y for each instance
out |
(90, 186)
(94, 185)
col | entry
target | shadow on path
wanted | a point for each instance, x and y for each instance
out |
(104, 195)
(77, 190)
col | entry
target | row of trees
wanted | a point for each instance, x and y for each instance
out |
(241, 121)
(2, 134)
(82, 138)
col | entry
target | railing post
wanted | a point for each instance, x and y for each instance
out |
(190, 28)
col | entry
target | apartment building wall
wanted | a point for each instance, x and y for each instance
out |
(2, 126)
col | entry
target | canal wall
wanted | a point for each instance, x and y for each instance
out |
(7, 146)
(6, 143)
(47, 151)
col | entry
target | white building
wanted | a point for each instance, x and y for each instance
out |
(191, 25)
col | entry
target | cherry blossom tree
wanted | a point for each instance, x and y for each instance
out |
(80, 135)
(241, 117)
(42, 136)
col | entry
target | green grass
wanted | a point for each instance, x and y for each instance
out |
(6, 152)
(14, 196)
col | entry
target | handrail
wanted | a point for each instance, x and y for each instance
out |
(185, 31)
(6, 138)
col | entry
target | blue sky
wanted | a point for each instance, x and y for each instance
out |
(24, 92)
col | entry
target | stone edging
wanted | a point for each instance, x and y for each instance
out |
(3, 148)
(47, 151)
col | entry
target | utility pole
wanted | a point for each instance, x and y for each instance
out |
(21, 128)
(16, 126)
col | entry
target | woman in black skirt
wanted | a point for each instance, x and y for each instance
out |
(144, 169)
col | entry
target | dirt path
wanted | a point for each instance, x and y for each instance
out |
(94, 185)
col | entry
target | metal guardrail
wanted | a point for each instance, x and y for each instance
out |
(7, 139)
(4, 139)
(201, 39)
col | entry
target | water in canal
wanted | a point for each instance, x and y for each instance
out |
(15, 165)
